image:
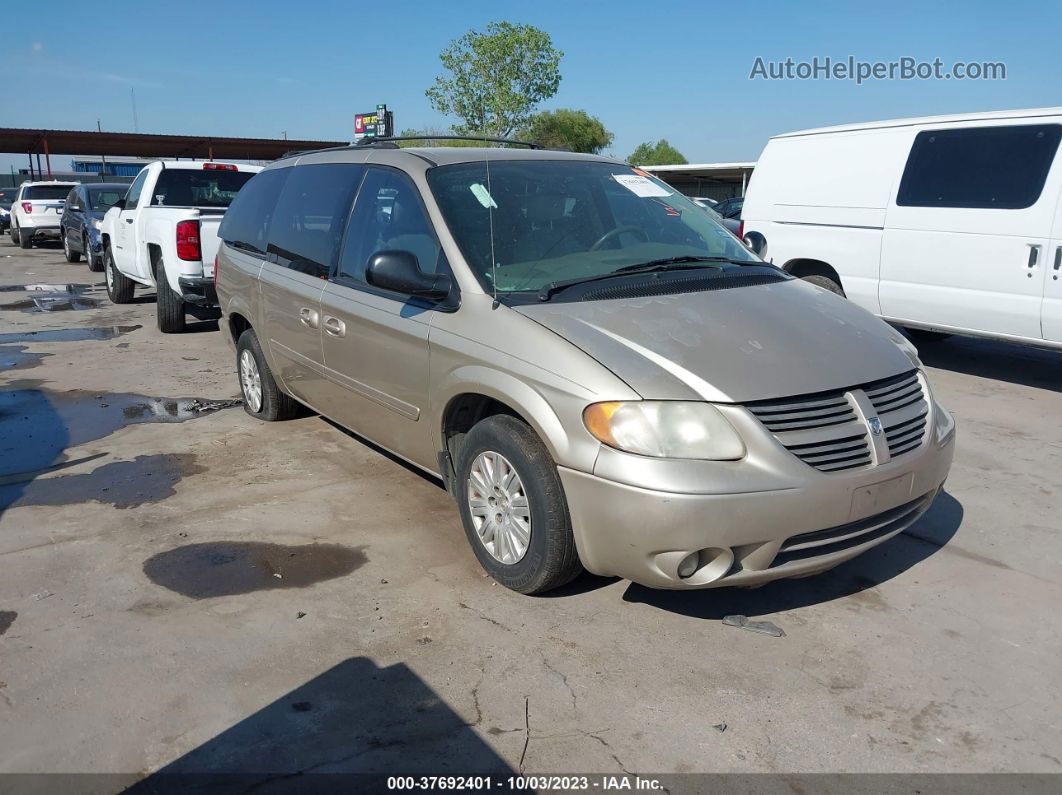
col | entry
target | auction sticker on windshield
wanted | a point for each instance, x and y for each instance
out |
(640, 186)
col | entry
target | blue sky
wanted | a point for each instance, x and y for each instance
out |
(678, 70)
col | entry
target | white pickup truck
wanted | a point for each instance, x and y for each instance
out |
(163, 234)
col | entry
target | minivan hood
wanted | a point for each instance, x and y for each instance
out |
(736, 345)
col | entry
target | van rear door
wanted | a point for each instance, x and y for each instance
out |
(1051, 310)
(966, 236)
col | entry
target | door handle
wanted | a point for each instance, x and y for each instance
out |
(334, 326)
(129, 220)
(308, 317)
(1034, 257)
(1058, 263)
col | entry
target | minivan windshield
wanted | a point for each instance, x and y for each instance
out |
(45, 192)
(185, 187)
(525, 224)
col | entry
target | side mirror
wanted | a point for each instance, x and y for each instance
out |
(756, 243)
(399, 272)
(120, 204)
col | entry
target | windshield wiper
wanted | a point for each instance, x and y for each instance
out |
(655, 265)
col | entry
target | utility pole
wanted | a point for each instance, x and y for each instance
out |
(99, 129)
(285, 134)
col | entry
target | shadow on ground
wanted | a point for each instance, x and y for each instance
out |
(999, 361)
(346, 730)
(935, 529)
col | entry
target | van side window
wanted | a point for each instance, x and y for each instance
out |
(308, 222)
(389, 215)
(979, 167)
(133, 196)
(246, 224)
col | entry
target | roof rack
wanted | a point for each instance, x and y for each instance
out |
(388, 142)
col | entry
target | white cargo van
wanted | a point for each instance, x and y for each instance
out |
(945, 224)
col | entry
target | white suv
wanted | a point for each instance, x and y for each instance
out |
(36, 211)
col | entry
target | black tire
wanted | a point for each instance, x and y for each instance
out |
(925, 337)
(25, 241)
(69, 253)
(13, 231)
(95, 264)
(551, 559)
(169, 306)
(275, 405)
(119, 287)
(826, 283)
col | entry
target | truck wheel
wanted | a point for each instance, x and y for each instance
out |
(69, 253)
(513, 507)
(826, 283)
(119, 287)
(169, 306)
(262, 398)
(24, 240)
(94, 263)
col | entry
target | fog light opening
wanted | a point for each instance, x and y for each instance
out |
(688, 565)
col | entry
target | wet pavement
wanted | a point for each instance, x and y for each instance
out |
(143, 626)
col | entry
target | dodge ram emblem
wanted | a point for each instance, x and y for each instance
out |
(875, 426)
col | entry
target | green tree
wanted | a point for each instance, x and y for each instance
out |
(659, 154)
(496, 78)
(570, 129)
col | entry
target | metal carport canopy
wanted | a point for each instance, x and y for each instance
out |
(83, 142)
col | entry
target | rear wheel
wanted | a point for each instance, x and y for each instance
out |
(513, 507)
(169, 306)
(119, 287)
(24, 240)
(95, 263)
(262, 398)
(69, 253)
(826, 283)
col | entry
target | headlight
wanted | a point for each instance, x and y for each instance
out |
(97, 223)
(665, 429)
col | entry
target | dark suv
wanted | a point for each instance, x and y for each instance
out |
(82, 216)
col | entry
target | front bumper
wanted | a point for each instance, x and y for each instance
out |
(749, 537)
(198, 290)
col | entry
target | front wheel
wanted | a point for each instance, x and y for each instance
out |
(119, 286)
(826, 283)
(95, 263)
(69, 253)
(513, 507)
(262, 398)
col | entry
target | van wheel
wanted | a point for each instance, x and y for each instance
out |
(69, 253)
(95, 263)
(826, 283)
(119, 287)
(169, 306)
(262, 397)
(926, 337)
(513, 507)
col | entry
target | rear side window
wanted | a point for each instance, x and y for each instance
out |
(310, 215)
(133, 196)
(246, 224)
(979, 167)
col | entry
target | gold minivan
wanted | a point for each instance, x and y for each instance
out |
(602, 376)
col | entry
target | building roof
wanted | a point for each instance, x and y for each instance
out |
(82, 142)
(1030, 113)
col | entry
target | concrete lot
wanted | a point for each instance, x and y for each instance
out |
(142, 626)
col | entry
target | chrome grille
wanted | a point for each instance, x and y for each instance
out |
(902, 408)
(821, 430)
(825, 430)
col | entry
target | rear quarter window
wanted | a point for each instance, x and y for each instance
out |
(1001, 168)
(246, 223)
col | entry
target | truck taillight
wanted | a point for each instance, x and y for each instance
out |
(188, 240)
(27, 207)
(219, 167)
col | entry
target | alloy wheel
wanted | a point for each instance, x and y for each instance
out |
(251, 380)
(499, 506)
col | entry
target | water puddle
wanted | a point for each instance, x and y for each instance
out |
(7, 618)
(123, 484)
(52, 298)
(68, 334)
(37, 425)
(227, 568)
(15, 357)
